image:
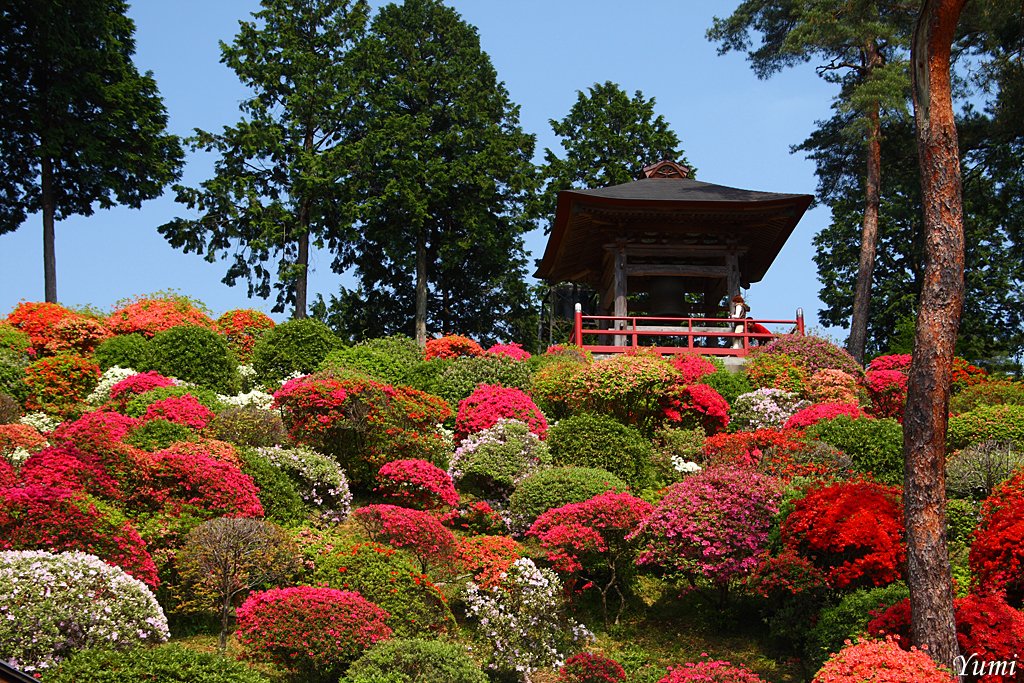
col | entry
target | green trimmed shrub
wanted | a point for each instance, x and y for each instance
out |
(987, 394)
(196, 355)
(873, 445)
(158, 434)
(776, 371)
(166, 663)
(848, 619)
(488, 464)
(248, 426)
(555, 487)
(278, 494)
(125, 351)
(137, 406)
(731, 385)
(12, 374)
(297, 346)
(673, 448)
(599, 441)
(387, 578)
(391, 360)
(415, 661)
(1004, 423)
(461, 376)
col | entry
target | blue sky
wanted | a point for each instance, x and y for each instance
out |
(735, 129)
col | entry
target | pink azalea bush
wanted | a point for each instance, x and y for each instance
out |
(895, 361)
(822, 411)
(884, 661)
(95, 432)
(184, 410)
(696, 405)
(417, 483)
(711, 671)
(490, 403)
(513, 351)
(414, 530)
(133, 386)
(888, 391)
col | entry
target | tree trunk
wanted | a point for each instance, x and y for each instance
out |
(869, 232)
(49, 250)
(302, 281)
(421, 287)
(938, 319)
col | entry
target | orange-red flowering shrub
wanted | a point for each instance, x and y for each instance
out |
(587, 667)
(19, 436)
(513, 351)
(414, 530)
(696, 405)
(242, 327)
(60, 384)
(487, 558)
(476, 518)
(692, 366)
(149, 316)
(39, 320)
(966, 375)
(886, 661)
(822, 411)
(451, 346)
(7, 474)
(888, 391)
(77, 334)
(315, 632)
(417, 483)
(832, 386)
(173, 482)
(711, 671)
(770, 450)
(852, 531)
(490, 403)
(997, 551)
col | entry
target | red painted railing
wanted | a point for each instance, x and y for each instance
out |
(700, 335)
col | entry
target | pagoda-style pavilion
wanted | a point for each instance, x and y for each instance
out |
(682, 243)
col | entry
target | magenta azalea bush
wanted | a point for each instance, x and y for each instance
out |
(490, 403)
(414, 530)
(417, 483)
(822, 411)
(513, 351)
(711, 671)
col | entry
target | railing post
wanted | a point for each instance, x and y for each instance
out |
(577, 326)
(800, 321)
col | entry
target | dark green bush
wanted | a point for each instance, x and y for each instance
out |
(198, 355)
(874, 446)
(415, 661)
(248, 426)
(158, 434)
(962, 516)
(166, 663)
(602, 442)
(555, 487)
(278, 494)
(12, 374)
(848, 619)
(124, 351)
(1003, 423)
(387, 578)
(460, 377)
(295, 346)
(672, 445)
(137, 405)
(391, 360)
(426, 376)
(987, 394)
(731, 385)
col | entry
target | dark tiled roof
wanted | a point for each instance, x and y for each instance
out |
(680, 190)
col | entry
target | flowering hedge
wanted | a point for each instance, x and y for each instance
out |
(811, 353)
(629, 387)
(513, 351)
(696, 405)
(712, 525)
(554, 387)
(822, 411)
(99, 432)
(711, 671)
(852, 531)
(242, 327)
(768, 449)
(886, 662)
(60, 384)
(776, 371)
(315, 632)
(451, 346)
(417, 483)
(490, 403)
(588, 667)
(53, 605)
(148, 316)
(419, 532)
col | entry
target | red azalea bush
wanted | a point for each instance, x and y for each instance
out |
(17, 435)
(997, 551)
(39, 320)
(895, 361)
(218, 450)
(785, 573)
(852, 531)
(713, 524)
(311, 405)
(173, 482)
(711, 671)
(587, 667)
(60, 384)
(487, 558)
(95, 432)
(696, 405)
(885, 661)
(822, 411)
(832, 386)
(136, 385)
(242, 327)
(692, 366)
(77, 334)
(490, 403)
(986, 627)
(888, 391)
(316, 632)
(7, 475)
(414, 530)
(451, 346)
(67, 467)
(513, 351)
(183, 410)
(148, 316)
(417, 483)
(770, 450)
(966, 375)
(45, 518)
(477, 518)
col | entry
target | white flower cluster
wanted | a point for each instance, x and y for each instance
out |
(41, 421)
(254, 398)
(765, 408)
(101, 394)
(54, 604)
(248, 375)
(521, 623)
(16, 456)
(321, 480)
(684, 466)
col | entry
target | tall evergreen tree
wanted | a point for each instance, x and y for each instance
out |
(280, 181)
(80, 127)
(443, 173)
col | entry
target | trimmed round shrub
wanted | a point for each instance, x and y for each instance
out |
(602, 442)
(248, 426)
(320, 481)
(1004, 423)
(296, 346)
(60, 384)
(887, 662)
(123, 391)
(848, 619)
(729, 385)
(692, 367)
(138, 405)
(183, 410)
(418, 484)
(711, 671)
(832, 386)
(38, 319)
(488, 404)
(975, 471)
(776, 371)
(55, 604)
(19, 437)
(874, 447)
(555, 487)
(156, 434)
(415, 661)
(763, 409)
(695, 405)
(315, 632)
(460, 377)
(628, 387)
(451, 346)
(12, 374)
(391, 360)
(155, 313)
(278, 493)
(13, 339)
(125, 351)
(987, 394)
(197, 355)
(66, 467)
(80, 334)
(888, 392)
(166, 664)
(486, 558)
(491, 462)
(388, 579)
(513, 350)
(419, 532)
(242, 327)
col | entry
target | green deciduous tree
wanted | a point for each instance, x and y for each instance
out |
(443, 173)
(80, 127)
(279, 184)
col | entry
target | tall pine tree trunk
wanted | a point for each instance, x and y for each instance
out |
(49, 249)
(421, 287)
(302, 280)
(938, 320)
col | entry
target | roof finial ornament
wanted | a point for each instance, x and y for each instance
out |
(666, 169)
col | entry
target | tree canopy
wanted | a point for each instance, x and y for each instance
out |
(80, 127)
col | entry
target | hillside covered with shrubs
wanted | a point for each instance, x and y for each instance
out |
(177, 489)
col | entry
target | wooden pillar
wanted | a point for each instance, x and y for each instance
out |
(619, 282)
(732, 275)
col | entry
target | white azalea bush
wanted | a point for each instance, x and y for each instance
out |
(764, 409)
(521, 622)
(321, 481)
(113, 375)
(55, 604)
(41, 421)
